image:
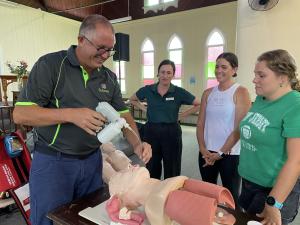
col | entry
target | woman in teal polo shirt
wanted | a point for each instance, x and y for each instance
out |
(162, 130)
(270, 141)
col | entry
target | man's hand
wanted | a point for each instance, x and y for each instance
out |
(143, 151)
(87, 119)
(271, 216)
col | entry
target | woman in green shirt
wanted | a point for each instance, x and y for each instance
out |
(162, 129)
(270, 141)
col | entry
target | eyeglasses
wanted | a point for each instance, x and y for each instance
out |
(102, 50)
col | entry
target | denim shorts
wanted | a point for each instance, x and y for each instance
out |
(253, 197)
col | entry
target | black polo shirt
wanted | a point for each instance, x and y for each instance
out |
(164, 109)
(58, 81)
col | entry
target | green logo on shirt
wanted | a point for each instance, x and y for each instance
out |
(246, 131)
(103, 89)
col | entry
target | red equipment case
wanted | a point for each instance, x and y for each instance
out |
(14, 175)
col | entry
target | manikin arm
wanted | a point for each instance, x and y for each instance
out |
(107, 171)
(113, 161)
(117, 159)
(189, 208)
(221, 194)
(166, 203)
(155, 203)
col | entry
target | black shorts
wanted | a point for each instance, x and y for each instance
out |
(253, 197)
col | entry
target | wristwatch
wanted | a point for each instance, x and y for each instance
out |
(271, 201)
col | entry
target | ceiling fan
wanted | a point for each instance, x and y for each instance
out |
(262, 5)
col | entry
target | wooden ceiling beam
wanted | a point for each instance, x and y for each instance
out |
(111, 9)
(42, 3)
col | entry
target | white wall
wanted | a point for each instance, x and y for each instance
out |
(266, 30)
(27, 33)
(192, 27)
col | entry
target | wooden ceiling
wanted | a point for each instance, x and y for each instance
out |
(111, 9)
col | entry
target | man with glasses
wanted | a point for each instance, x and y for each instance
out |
(59, 100)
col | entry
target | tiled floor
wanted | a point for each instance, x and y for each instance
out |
(12, 217)
(189, 168)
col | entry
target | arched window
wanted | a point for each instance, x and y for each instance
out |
(156, 5)
(215, 46)
(152, 2)
(148, 62)
(121, 67)
(156, 2)
(175, 54)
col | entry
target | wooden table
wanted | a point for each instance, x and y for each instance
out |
(68, 214)
(6, 80)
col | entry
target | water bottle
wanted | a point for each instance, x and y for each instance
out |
(116, 122)
(108, 111)
(111, 130)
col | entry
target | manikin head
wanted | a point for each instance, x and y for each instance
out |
(128, 185)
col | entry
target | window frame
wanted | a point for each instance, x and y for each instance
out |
(181, 48)
(116, 70)
(207, 46)
(152, 80)
(161, 5)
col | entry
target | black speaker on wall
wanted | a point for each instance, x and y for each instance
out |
(121, 47)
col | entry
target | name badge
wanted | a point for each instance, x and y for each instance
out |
(170, 99)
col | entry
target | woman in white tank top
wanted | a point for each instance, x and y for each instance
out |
(222, 108)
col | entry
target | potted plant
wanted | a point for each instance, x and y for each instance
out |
(20, 70)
